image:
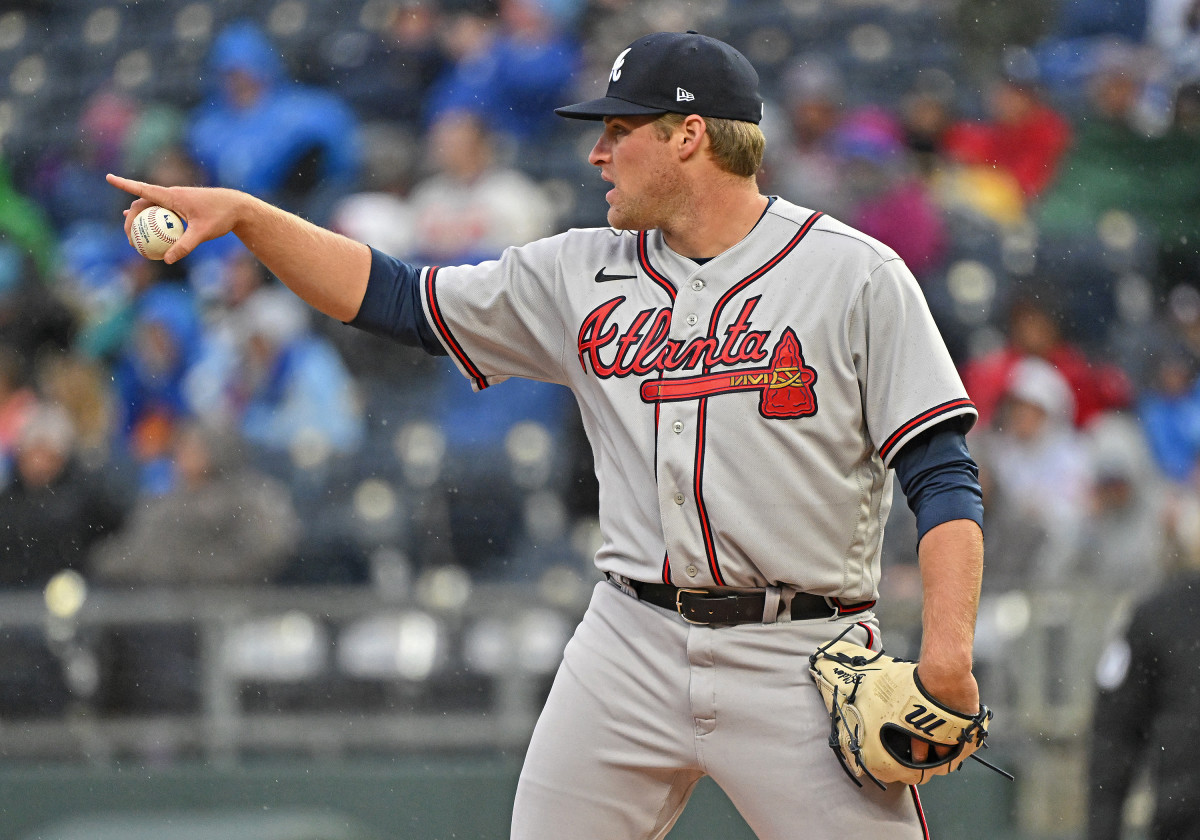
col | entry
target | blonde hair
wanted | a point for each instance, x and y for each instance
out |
(736, 145)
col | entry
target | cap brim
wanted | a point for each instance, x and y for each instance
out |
(606, 106)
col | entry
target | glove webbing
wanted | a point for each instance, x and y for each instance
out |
(854, 746)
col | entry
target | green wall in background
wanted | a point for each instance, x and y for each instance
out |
(409, 798)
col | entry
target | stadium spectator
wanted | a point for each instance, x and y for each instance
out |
(221, 523)
(381, 214)
(1081, 32)
(157, 129)
(514, 66)
(1025, 136)
(257, 131)
(1172, 24)
(391, 80)
(1169, 410)
(888, 199)
(927, 111)
(805, 167)
(973, 195)
(1124, 543)
(471, 208)
(53, 509)
(209, 386)
(1034, 331)
(34, 316)
(82, 387)
(1115, 165)
(1016, 542)
(148, 378)
(65, 176)
(287, 387)
(1173, 27)
(1040, 463)
(109, 315)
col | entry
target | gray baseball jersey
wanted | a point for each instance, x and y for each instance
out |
(742, 412)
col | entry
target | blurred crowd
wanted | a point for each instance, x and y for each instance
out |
(194, 424)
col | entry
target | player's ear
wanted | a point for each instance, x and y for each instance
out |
(690, 135)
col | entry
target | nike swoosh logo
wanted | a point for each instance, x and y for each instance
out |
(601, 277)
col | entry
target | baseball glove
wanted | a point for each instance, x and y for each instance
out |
(877, 705)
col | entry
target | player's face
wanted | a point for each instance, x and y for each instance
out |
(645, 175)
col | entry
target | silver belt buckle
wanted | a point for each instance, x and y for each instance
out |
(679, 604)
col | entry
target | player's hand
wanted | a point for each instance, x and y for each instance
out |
(208, 212)
(955, 688)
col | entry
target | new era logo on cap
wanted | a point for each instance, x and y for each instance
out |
(679, 72)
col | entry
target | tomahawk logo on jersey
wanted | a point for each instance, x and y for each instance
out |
(643, 347)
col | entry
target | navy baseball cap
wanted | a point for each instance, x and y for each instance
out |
(677, 72)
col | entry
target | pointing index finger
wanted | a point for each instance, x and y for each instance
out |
(138, 188)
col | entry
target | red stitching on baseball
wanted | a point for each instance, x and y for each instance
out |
(139, 230)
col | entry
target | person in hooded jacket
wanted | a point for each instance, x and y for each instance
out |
(260, 132)
(148, 377)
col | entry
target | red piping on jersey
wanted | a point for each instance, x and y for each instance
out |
(440, 325)
(710, 547)
(936, 411)
(870, 645)
(665, 284)
(916, 797)
(767, 266)
(644, 260)
(853, 609)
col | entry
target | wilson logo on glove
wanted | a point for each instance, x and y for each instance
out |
(877, 707)
(923, 720)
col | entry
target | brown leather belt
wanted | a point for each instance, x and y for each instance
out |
(714, 606)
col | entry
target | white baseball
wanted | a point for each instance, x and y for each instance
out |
(154, 231)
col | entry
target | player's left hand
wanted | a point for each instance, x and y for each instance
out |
(954, 688)
(875, 700)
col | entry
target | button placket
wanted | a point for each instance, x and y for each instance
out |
(676, 449)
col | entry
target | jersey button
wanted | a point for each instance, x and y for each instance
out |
(691, 571)
(678, 498)
(697, 285)
(692, 319)
(677, 426)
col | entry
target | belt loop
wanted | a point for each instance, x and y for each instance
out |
(623, 583)
(771, 603)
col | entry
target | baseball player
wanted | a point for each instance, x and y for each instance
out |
(751, 375)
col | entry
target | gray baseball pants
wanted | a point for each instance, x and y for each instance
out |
(644, 705)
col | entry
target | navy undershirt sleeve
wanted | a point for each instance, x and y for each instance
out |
(939, 477)
(391, 307)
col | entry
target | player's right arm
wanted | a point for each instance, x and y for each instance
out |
(325, 269)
